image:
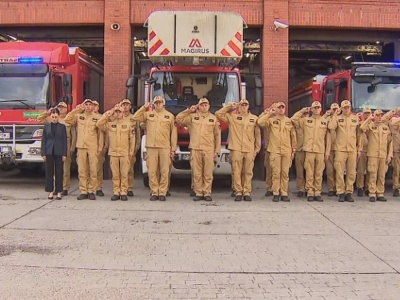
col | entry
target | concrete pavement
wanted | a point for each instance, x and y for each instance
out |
(181, 249)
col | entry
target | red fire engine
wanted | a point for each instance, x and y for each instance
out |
(33, 77)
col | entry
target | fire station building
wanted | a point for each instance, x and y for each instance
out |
(318, 32)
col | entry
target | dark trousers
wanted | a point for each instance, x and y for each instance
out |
(54, 173)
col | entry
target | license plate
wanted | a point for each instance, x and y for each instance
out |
(4, 135)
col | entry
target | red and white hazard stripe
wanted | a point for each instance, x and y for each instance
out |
(156, 46)
(234, 46)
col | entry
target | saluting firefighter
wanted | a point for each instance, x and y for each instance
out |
(347, 148)
(161, 143)
(205, 145)
(282, 148)
(102, 155)
(244, 144)
(362, 175)
(379, 153)
(300, 155)
(126, 106)
(71, 142)
(316, 146)
(121, 148)
(267, 164)
(89, 145)
(329, 167)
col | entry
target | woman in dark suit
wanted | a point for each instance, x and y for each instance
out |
(54, 152)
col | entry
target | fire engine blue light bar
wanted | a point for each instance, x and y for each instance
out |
(30, 60)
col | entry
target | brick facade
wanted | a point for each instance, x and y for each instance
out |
(371, 14)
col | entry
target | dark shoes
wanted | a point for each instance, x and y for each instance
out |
(383, 199)
(238, 198)
(153, 198)
(396, 193)
(349, 198)
(92, 196)
(197, 198)
(371, 199)
(233, 194)
(115, 198)
(269, 194)
(168, 194)
(300, 194)
(82, 196)
(192, 193)
(99, 193)
(285, 199)
(247, 198)
(208, 198)
(276, 198)
(341, 198)
(331, 193)
(161, 198)
(64, 193)
(318, 199)
(124, 198)
(130, 194)
(310, 198)
(360, 192)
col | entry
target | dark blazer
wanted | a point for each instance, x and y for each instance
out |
(57, 142)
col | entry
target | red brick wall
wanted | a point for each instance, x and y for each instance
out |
(381, 14)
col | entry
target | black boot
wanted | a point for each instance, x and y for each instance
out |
(300, 194)
(247, 198)
(99, 193)
(310, 198)
(331, 193)
(360, 192)
(371, 199)
(83, 196)
(238, 198)
(341, 198)
(285, 199)
(130, 194)
(115, 198)
(396, 193)
(318, 199)
(276, 198)
(349, 197)
(269, 194)
(381, 198)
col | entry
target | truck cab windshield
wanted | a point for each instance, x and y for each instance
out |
(376, 93)
(23, 92)
(185, 89)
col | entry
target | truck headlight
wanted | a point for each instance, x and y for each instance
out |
(37, 134)
(6, 149)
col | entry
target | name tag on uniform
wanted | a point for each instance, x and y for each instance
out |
(384, 128)
(81, 118)
(239, 118)
(288, 123)
(95, 120)
(124, 126)
(113, 126)
(252, 120)
(323, 123)
(196, 118)
(275, 122)
(309, 121)
(211, 120)
(354, 121)
(374, 127)
(341, 120)
(167, 117)
(151, 115)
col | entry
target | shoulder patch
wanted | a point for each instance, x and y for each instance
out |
(323, 123)
(340, 120)
(81, 118)
(384, 128)
(211, 120)
(151, 115)
(113, 126)
(196, 118)
(239, 118)
(275, 122)
(166, 117)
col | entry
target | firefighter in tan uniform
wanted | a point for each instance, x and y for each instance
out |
(347, 147)
(89, 147)
(267, 165)
(362, 175)
(126, 105)
(300, 155)
(71, 143)
(316, 146)
(205, 145)
(379, 152)
(161, 143)
(244, 144)
(121, 148)
(329, 164)
(282, 148)
(102, 155)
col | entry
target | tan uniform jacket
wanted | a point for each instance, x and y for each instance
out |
(346, 129)
(88, 136)
(331, 133)
(299, 131)
(282, 135)
(136, 126)
(244, 133)
(395, 130)
(71, 130)
(380, 143)
(161, 131)
(316, 136)
(205, 131)
(121, 135)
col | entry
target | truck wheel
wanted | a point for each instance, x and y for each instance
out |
(146, 180)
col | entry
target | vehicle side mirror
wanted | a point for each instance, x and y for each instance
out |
(130, 82)
(371, 89)
(157, 87)
(67, 84)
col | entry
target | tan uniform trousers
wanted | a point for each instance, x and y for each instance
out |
(396, 170)
(345, 161)
(377, 168)
(67, 172)
(330, 172)
(158, 165)
(280, 164)
(361, 177)
(119, 168)
(100, 163)
(87, 170)
(202, 163)
(131, 174)
(242, 168)
(268, 172)
(169, 176)
(314, 165)
(299, 163)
